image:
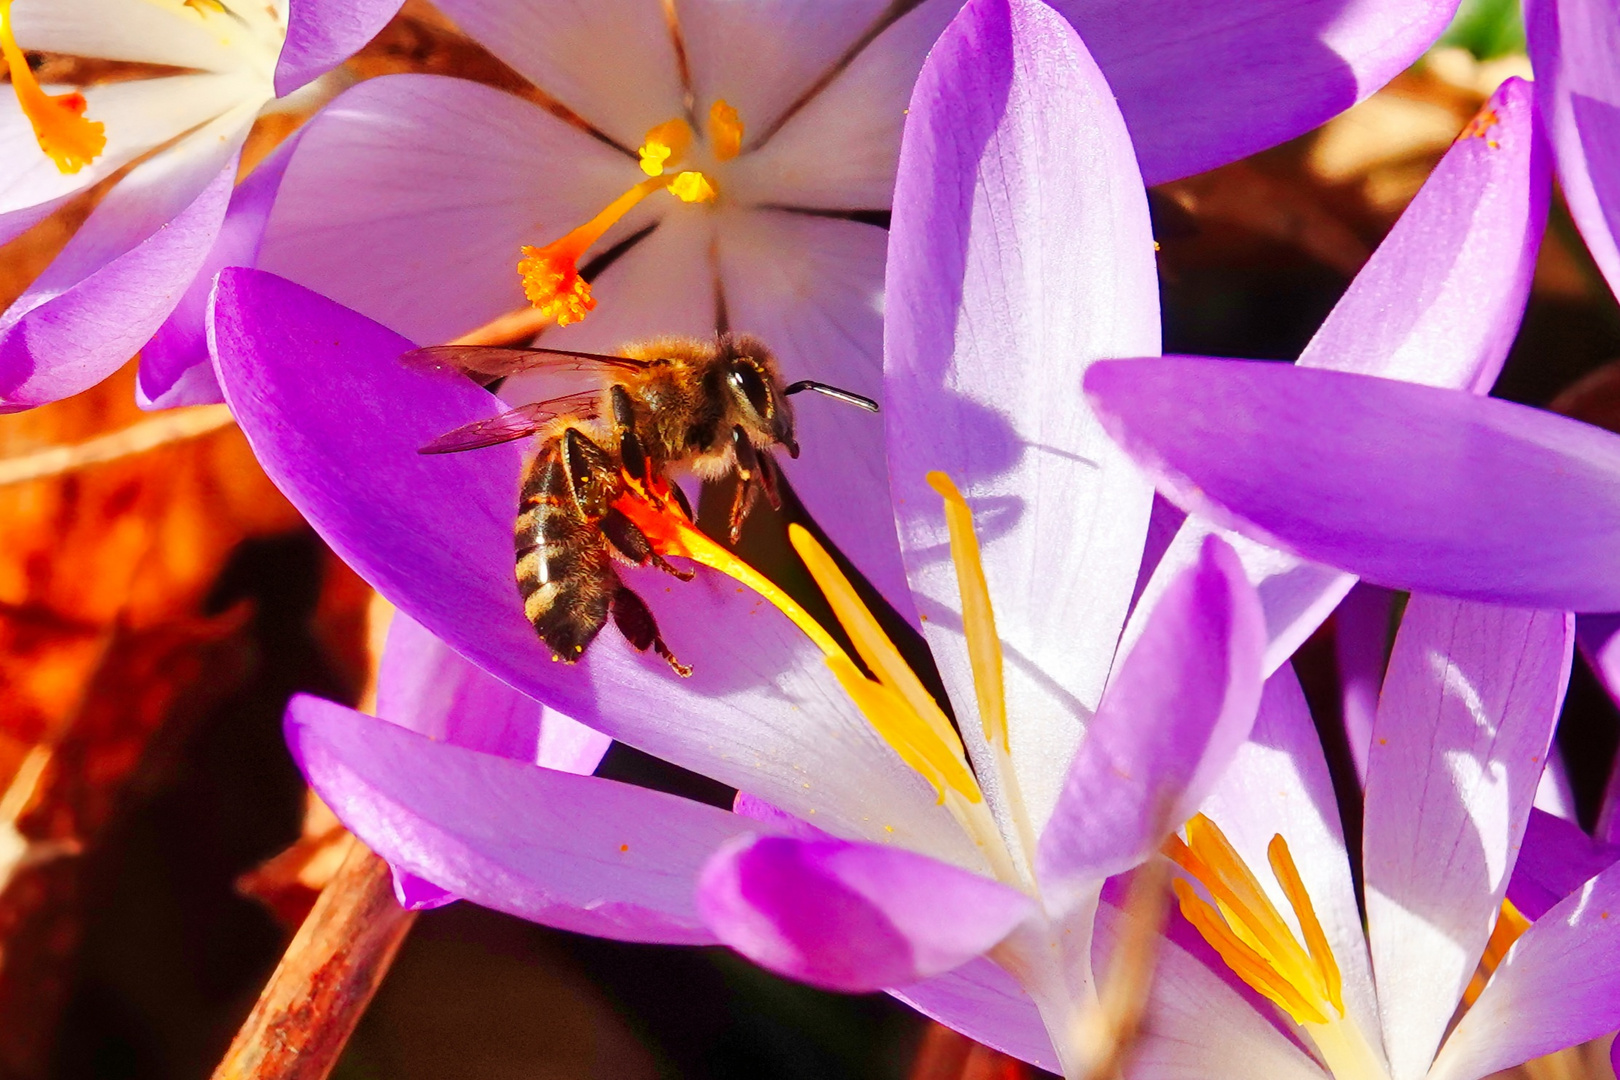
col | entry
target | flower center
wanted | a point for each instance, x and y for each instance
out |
(59, 123)
(550, 274)
(1250, 935)
(893, 700)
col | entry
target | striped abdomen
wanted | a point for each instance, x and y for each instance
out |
(564, 572)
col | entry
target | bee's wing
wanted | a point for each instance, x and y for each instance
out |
(514, 424)
(497, 361)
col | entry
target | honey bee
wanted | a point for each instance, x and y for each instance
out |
(711, 407)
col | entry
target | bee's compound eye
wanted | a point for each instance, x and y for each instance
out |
(746, 377)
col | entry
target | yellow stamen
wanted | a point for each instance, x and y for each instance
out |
(978, 618)
(725, 131)
(692, 187)
(60, 127)
(913, 716)
(1248, 913)
(1247, 963)
(664, 146)
(1510, 924)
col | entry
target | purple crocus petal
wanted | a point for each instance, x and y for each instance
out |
(574, 852)
(122, 273)
(1361, 647)
(1554, 793)
(175, 366)
(1555, 859)
(476, 172)
(1020, 252)
(1279, 784)
(335, 419)
(1575, 50)
(1462, 733)
(428, 687)
(1176, 710)
(611, 61)
(812, 288)
(419, 894)
(1204, 84)
(1438, 303)
(1559, 986)
(1411, 487)
(851, 917)
(321, 34)
(986, 1004)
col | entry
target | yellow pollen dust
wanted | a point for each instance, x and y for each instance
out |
(725, 131)
(550, 274)
(1247, 930)
(60, 127)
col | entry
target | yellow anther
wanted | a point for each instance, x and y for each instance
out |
(725, 131)
(205, 6)
(909, 714)
(692, 187)
(1249, 933)
(978, 618)
(1510, 924)
(664, 145)
(60, 127)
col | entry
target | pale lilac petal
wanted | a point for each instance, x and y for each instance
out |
(1554, 793)
(1438, 303)
(426, 686)
(1020, 252)
(1179, 705)
(852, 917)
(1361, 635)
(1462, 733)
(138, 115)
(1554, 861)
(1279, 784)
(574, 852)
(410, 196)
(1575, 50)
(321, 34)
(1408, 486)
(122, 273)
(174, 35)
(175, 366)
(611, 61)
(1203, 84)
(838, 152)
(335, 419)
(419, 894)
(984, 1003)
(1560, 985)
(813, 289)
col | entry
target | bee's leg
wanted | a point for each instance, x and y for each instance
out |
(632, 545)
(679, 496)
(767, 480)
(748, 473)
(636, 623)
(631, 451)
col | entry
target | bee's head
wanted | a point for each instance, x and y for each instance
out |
(759, 401)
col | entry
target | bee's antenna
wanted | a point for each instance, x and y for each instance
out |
(845, 396)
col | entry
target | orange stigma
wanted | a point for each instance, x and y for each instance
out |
(60, 127)
(550, 274)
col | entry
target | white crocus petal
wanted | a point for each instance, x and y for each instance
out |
(840, 150)
(475, 172)
(611, 61)
(1279, 783)
(139, 115)
(1459, 744)
(812, 289)
(153, 32)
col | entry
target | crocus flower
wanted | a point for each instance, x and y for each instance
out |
(1575, 52)
(713, 164)
(1463, 726)
(1010, 93)
(125, 269)
(1438, 303)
